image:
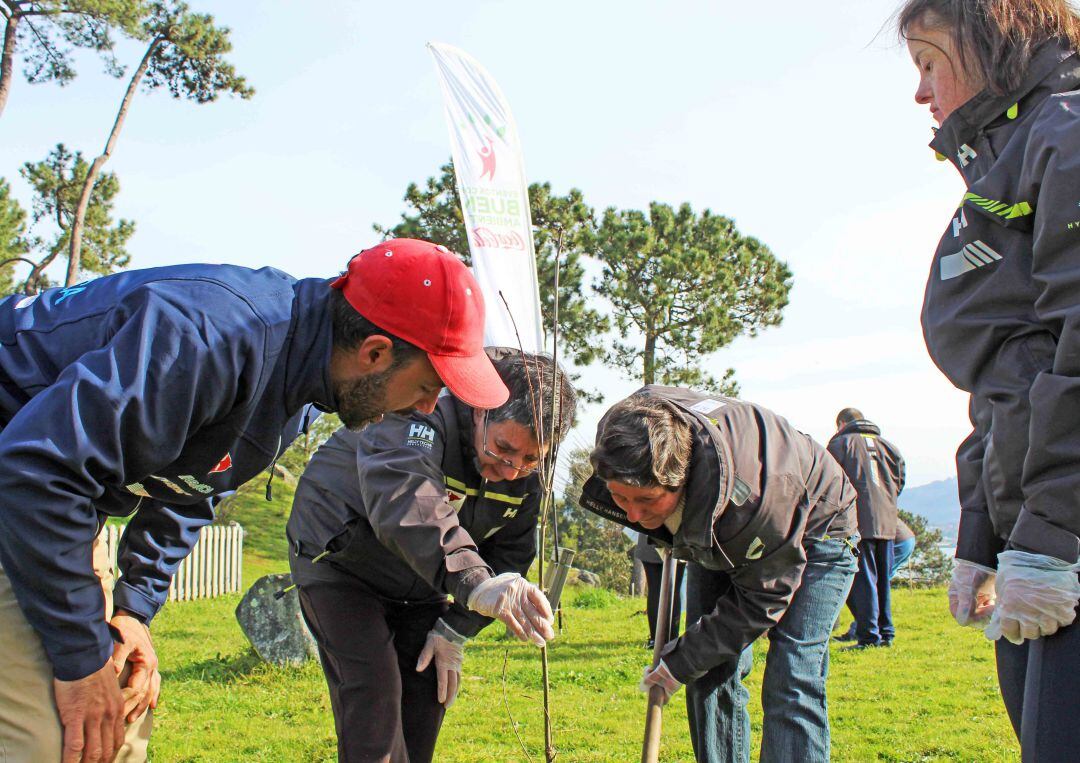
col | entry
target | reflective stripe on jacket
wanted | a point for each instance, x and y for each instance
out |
(876, 470)
(1001, 315)
(402, 508)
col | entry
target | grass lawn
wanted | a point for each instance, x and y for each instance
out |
(932, 697)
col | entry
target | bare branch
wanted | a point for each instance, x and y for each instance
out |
(506, 704)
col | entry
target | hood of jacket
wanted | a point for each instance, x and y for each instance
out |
(1055, 68)
(709, 480)
(859, 426)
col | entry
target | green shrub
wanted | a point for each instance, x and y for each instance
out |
(593, 598)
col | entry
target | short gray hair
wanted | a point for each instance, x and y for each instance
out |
(531, 379)
(643, 443)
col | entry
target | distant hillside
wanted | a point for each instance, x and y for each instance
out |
(937, 501)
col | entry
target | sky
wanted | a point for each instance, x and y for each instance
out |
(797, 120)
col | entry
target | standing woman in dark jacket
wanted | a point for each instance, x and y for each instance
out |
(1001, 319)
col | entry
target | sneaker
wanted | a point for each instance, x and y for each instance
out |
(861, 647)
(650, 644)
(848, 635)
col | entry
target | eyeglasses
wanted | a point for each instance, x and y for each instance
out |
(522, 469)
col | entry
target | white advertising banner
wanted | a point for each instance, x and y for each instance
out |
(494, 197)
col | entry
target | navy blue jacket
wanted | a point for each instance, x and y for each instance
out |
(145, 392)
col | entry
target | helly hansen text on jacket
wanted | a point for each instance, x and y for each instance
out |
(148, 392)
(757, 492)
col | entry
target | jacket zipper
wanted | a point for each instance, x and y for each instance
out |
(273, 465)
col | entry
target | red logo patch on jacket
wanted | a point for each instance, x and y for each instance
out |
(223, 465)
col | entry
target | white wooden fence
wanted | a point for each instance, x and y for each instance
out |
(213, 567)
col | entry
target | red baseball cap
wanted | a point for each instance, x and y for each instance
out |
(424, 294)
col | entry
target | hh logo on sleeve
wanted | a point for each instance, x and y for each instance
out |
(421, 436)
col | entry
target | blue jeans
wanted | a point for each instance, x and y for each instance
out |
(871, 593)
(796, 724)
(901, 553)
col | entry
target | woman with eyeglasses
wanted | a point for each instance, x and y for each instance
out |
(388, 521)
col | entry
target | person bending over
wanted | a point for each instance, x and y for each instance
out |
(147, 393)
(767, 519)
(387, 522)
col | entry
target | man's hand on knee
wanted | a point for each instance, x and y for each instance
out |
(141, 682)
(91, 711)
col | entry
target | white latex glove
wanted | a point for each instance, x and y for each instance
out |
(447, 647)
(971, 593)
(660, 676)
(1036, 595)
(518, 603)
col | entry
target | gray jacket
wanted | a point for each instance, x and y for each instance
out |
(758, 491)
(1001, 314)
(876, 469)
(402, 508)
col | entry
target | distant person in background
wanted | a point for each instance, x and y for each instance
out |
(903, 548)
(653, 565)
(1001, 319)
(876, 469)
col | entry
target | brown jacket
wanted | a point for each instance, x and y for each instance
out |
(876, 469)
(758, 491)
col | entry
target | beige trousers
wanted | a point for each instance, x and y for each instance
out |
(30, 729)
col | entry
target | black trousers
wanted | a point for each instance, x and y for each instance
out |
(653, 576)
(1040, 683)
(383, 709)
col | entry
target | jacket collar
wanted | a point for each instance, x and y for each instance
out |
(463, 415)
(709, 480)
(708, 484)
(1055, 68)
(859, 426)
(308, 346)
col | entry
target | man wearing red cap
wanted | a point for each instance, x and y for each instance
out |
(149, 392)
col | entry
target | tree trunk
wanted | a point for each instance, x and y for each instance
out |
(649, 359)
(7, 60)
(637, 578)
(75, 251)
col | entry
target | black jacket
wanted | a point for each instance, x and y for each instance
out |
(757, 491)
(876, 469)
(402, 508)
(1001, 315)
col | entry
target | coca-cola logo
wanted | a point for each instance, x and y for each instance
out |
(488, 239)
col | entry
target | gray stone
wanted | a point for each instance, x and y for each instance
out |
(584, 577)
(274, 626)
